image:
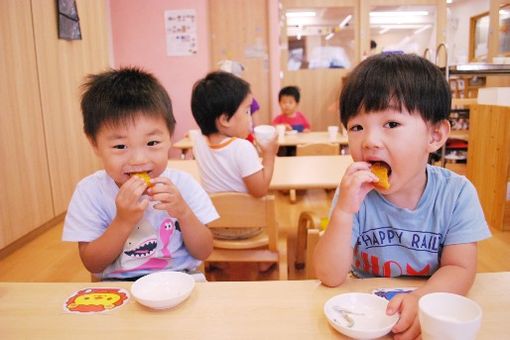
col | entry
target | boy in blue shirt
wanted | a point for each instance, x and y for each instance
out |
(395, 108)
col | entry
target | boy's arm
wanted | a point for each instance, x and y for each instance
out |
(196, 236)
(455, 275)
(332, 257)
(258, 183)
(98, 254)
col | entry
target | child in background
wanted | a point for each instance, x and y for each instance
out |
(127, 226)
(428, 222)
(220, 103)
(237, 69)
(288, 99)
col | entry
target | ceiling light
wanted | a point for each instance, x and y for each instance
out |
(384, 30)
(329, 36)
(300, 14)
(399, 13)
(423, 28)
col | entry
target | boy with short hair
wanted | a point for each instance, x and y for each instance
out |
(395, 108)
(136, 216)
(288, 98)
(220, 104)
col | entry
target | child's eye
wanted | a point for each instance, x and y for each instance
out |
(153, 143)
(392, 125)
(120, 147)
(356, 128)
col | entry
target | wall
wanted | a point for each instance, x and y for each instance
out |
(138, 38)
(459, 14)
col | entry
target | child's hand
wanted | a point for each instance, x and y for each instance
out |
(130, 206)
(288, 127)
(408, 326)
(169, 197)
(269, 148)
(356, 183)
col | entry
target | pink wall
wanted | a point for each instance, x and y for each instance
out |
(138, 38)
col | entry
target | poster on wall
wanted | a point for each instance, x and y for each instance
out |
(181, 32)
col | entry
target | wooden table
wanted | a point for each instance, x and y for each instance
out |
(289, 140)
(300, 172)
(216, 310)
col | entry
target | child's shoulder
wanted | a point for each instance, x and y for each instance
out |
(444, 174)
(447, 181)
(97, 179)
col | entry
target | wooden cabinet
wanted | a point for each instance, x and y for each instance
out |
(43, 151)
(488, 165)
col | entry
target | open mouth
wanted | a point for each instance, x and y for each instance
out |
(132, 173)
(145, 249)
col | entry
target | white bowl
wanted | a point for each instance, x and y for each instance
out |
(367, 312)
(162, 290)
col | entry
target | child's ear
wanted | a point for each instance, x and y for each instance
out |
(223, 121)
(438, 135)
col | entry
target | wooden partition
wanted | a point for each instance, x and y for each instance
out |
(25, 198)
(44, 152)
(239, 31)
(62, 66)
(488, 165)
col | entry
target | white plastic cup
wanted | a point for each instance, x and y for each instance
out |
(264, 133)
(448, 316)
(280, 128)
(332, 132)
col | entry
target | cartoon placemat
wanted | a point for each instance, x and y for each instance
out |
(389, 293)
(96, 300)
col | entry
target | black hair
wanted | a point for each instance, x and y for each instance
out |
(401, 80)
(117, 96)
(290, 91)
(217, 94)
(373, 44)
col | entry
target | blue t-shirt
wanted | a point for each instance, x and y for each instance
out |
(391, 241)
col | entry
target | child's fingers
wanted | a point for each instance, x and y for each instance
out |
(394, 304)
(412, 332)
(355, 167)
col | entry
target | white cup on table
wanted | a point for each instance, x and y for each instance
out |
(280, 128)
(448, 316)
(332, 132)
(264, 133)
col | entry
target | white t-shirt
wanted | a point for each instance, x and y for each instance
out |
(223, 168)
(156, 242)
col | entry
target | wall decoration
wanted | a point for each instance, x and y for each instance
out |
(68, 20)
(181, 32)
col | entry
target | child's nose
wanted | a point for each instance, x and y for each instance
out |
(371, 139)
(138, 157)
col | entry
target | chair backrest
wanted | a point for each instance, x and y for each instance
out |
(314, 149)
(241, 210)
(312, 237)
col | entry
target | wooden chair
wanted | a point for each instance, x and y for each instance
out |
(307, 237)
(241, 210)
(314, 149)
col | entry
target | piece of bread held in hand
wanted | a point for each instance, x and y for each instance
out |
(381, 170)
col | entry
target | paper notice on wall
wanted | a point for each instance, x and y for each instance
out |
(181, 32)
